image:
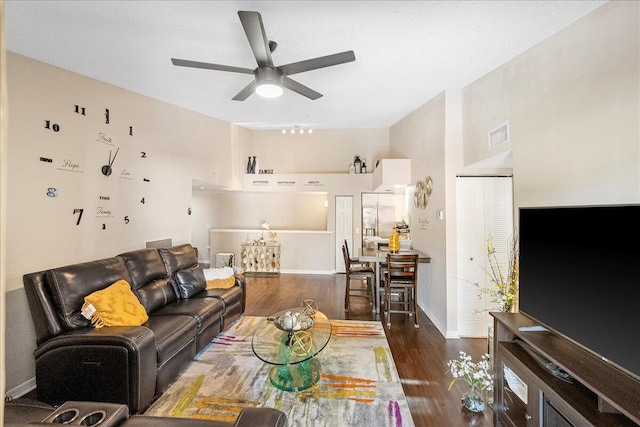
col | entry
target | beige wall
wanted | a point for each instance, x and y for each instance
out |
(421, 136)
(573, 106)
(41, 231)
(572, 103)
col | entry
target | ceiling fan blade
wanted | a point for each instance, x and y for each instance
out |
(244, 93)
(300, 88)
(253, 28)
(208, 66)
(320, 62)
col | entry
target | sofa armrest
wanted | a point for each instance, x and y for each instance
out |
(261, 417)
(249, 417)
(113, 364)
(240, 282)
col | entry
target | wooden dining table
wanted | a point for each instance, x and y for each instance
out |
(379, 256)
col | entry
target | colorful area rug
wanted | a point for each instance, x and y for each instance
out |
(359, 384)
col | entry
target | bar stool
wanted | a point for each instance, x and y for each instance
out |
(359, 273)
(401, 278)
(354, 262)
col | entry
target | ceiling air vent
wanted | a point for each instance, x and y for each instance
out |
(499, 135)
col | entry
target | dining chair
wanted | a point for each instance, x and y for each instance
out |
(353, 261)
(400, 279)
(359, 273)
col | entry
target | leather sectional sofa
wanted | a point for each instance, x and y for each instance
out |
(129, 365)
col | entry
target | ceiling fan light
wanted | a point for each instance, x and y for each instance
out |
(269, 90)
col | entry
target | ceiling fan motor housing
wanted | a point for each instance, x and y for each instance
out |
(268, 75)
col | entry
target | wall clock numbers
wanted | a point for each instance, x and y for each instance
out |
(104, 226)
(142, 201)
(146, 179)
(46, 159)
(52, 126)
(80, 212)
(126, 219)
(80, 110)
(143, 154)
(106, 115)
(130, 130)
(52, 192)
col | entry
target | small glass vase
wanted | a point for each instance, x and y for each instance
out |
(473, 400)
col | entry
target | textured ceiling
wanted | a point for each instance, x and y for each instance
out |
(406, 51)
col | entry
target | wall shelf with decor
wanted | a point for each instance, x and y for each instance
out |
(544, 379)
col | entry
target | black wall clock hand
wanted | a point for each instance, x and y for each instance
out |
(107, 169)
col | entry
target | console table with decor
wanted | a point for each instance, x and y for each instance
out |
(260, 258)
(544, 379)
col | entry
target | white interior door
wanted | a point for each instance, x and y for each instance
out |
(344, 228)
(485, 208)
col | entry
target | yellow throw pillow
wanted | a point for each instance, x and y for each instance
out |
(115, 305)
(221, 283)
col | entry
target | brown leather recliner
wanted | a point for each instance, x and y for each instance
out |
(97, 414)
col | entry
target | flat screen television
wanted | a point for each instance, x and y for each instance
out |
(580, 277)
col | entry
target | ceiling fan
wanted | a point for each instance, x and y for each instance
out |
(269, 80)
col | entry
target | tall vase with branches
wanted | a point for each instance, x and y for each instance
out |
(503, 278)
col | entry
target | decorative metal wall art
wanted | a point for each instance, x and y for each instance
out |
(423, 192)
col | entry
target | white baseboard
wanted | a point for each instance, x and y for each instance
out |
(21, 390)
(439, 326)
(323, 272)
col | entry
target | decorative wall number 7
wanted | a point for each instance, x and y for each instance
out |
(80, 211)
(107, 169)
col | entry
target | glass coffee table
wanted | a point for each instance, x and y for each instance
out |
(292, 352)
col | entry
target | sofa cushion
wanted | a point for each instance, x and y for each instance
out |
(69, 285)
(115, 305)
(190, 281)
(172, 334)
(149, 278)
(156, 294)
(144, 265)
(178, 258)
(229, 296)
(204, 311)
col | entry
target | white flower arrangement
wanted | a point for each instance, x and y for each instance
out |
(477, 374)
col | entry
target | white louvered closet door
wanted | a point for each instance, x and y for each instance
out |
(484, 208)
(344, 229)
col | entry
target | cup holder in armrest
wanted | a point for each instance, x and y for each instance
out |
(93, 418)
(90, 414)
(67, 416)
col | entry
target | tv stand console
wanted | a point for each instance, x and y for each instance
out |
(526, 393)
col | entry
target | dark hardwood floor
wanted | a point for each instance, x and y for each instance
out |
(420, 355)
